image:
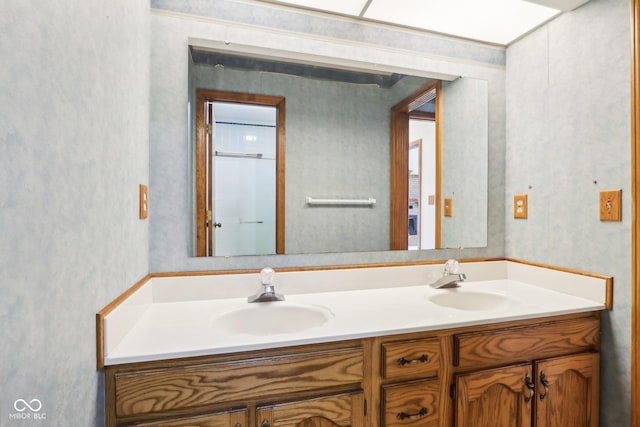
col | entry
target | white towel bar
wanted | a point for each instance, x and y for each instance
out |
(370, 201)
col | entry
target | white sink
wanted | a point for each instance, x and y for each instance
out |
(472, 300)
(273, 318)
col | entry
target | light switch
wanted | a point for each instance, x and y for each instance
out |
(144, 202)
(610, 205)
(520, 208)
(448, 207)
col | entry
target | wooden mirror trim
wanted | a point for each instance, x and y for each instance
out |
(207, 95)
(399, 153)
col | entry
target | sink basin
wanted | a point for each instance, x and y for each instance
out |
(472, 300)
(273, 318)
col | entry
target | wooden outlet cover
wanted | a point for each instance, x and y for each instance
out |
(520, 206)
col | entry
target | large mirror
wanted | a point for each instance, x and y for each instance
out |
(336, 191)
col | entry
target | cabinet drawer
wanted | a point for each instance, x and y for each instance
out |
(184, 386)
(416, 358)
(411, 404)
(509, 345)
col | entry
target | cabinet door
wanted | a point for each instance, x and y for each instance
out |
(499, 397)
(567, 391)
(227, 419)
(344, 410)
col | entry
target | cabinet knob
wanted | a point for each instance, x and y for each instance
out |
(404, 416)
(402, 361)
(265, 423)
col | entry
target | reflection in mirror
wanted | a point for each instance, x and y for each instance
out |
(338, 133)
(239, 174)
(465, 168)
(449, 119)
(243, 191)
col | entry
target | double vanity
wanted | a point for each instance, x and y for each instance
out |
(357, 346)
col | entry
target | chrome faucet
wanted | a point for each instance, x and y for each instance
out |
(268, 291)
(451, 277)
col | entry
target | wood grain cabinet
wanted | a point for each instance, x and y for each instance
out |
(559, 392)
(333, 411)
(324, 381)
(542, 391)
(226, 419)
(410, 382)
(525, 373)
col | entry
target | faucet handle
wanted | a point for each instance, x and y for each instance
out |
(451, 267)
(267, 276)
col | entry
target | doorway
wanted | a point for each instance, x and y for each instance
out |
(416, 147)
(239, 174)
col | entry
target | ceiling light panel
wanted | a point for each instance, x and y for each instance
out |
(345, 7)
(494, 21)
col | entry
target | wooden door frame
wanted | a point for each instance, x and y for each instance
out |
(399, 153)
(209, 95)
(635, 213)
(412, 144)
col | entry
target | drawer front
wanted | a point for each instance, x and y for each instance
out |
(416, 358)
(411, 404)
(509, 345)
(190, 386)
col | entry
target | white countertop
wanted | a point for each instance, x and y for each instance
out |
(154, 324)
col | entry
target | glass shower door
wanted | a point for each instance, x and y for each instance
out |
(244, 179)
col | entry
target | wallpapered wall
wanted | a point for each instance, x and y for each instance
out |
(568, 138)
(73, 149)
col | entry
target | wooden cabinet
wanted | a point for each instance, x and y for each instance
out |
(156, 391)
(346, 410)
(526, 373)
(556, 385)
(567, 390)
(226, 419)
(501, 397)
(557, 392)
(410, 383)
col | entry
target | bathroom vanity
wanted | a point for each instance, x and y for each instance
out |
(496, 352)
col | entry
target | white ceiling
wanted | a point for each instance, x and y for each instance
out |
(492, 21)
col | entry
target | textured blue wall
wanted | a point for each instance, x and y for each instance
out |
(73, 149)
(568, 138)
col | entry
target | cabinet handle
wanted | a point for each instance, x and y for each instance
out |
(532, 388)
(404, 416)
(545, 385)
(265, 423)
(237, 425)
(402, 361)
